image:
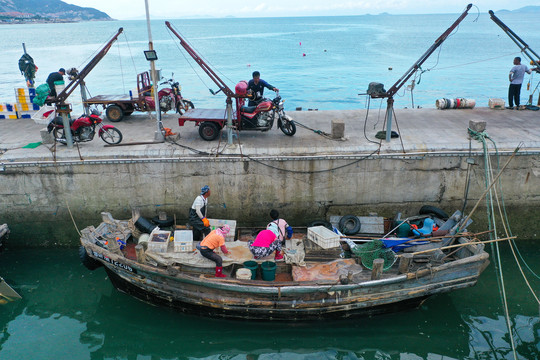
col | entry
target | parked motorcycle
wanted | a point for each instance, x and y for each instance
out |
(262, 116)
(170, 98)
(83, 129)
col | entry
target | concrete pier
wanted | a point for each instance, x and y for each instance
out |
(307, 176)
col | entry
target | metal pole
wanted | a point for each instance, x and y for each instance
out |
(229, 121)
(389, 112)
(24, 47)
(159, 134)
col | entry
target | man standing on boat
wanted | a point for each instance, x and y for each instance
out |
(516, 80)
(197, 215)
(256, 88)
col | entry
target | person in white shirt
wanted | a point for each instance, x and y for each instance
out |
(516, 80)
(197, 215)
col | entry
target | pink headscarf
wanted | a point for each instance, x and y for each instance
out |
(224, 230)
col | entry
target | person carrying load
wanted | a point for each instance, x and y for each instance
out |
(197, 214)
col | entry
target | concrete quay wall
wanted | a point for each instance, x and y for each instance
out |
(40, 198)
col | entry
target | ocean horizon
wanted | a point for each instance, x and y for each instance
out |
(316, 62)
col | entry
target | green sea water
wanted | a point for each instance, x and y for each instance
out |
(69, 312)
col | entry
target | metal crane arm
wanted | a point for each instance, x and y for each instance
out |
(206, 68)
(519, 42)
(395, 88)
(79, 77)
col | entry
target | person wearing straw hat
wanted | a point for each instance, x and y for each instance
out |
(197, 214)
(212, 241)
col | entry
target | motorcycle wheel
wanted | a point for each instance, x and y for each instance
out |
(58, 133)
(208, 131)
(187, 105)
(288, 127)
(111, 136)
(114, 113)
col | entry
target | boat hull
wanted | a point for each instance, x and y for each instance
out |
(246, 299)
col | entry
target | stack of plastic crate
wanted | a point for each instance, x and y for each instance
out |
(25, 107)
(8, 111)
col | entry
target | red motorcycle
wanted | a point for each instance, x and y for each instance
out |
(171, 98)
(84, 128)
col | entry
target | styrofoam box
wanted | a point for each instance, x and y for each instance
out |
(159, 241)
(183, 240)
(40, 118)
(215, 223)
(323, 237)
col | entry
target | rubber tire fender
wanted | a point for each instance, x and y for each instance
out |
(347, 219)
(87, 261)
(432, 210)
(324, 223)
(169, 221)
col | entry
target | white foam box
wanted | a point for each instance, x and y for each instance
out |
(183, 241)
(323, 237)
(44, 115)
(496, 103)
(159, 241)
(215, 223)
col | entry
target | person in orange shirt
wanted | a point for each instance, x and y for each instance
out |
(212, 241)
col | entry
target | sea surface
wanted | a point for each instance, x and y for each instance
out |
(342, 56)
(69, 312)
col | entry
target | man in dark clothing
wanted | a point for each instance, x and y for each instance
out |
(55, 76)
(256, 88)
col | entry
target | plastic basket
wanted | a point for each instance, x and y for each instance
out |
(323, 237)
(44, 115)
(183, 241)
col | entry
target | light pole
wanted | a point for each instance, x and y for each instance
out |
(152, 56)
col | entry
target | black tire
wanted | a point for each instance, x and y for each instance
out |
(169, 221)
(187, 105)
(111, 136)
(114, 113)
(208, 130)
(59, 133)
(87, 261)
(432, 210)
(324, 223)
(288, 127)
(349, 225)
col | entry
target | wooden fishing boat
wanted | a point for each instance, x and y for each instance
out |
(312, 283)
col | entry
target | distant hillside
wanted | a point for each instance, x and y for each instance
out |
(525, 9)
(54, 10)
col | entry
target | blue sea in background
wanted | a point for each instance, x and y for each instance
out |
(69, 312)
(342, 56)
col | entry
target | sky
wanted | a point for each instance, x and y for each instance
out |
(171, 9)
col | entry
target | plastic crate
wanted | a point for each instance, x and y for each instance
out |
(215, 223)
(8, 115)
(496, 103)
(323, 237)
(183, 241)
(44, 115)
(8, 107)
(159, 241)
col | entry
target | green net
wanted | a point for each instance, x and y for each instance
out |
(375, 250)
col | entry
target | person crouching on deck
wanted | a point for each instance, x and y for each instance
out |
(212, 241)
(266, 243)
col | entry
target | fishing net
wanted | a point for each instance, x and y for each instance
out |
(375, 250)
